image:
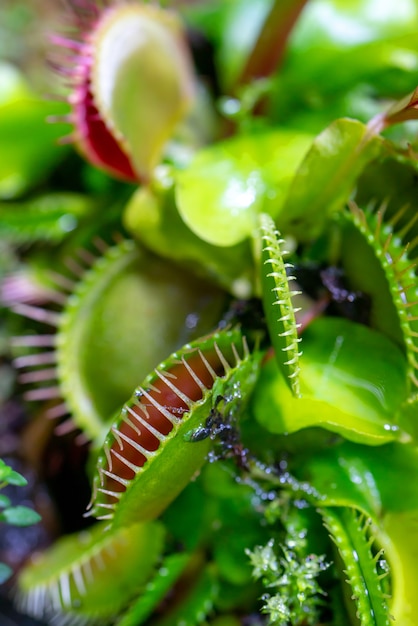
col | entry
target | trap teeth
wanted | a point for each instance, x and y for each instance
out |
(150, 79)
(105, 319)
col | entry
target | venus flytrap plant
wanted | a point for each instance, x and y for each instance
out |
(145, 461)
(142, 447)
(127, 100)
(336, 158)
(125, 272)
(278, 306)
(90, 576)
(350, 534)
(341, 476)
(103, 280)
(314, 432)
(391, 268)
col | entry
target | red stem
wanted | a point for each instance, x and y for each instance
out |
(270, 46)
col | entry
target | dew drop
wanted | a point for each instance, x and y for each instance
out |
(230, 106)
(391, 428)
(241, 288)
(191, 321)
(67, 223)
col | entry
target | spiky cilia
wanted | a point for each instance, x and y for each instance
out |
(90, 132)
(390, 277)
(351, 534)
(74, 582)
(124, 287)
(278, 307)
(127, 100)
(146, 461)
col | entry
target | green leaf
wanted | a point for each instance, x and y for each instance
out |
(198, 601)
(221, 193)
(50, 217)
(326, 177)
(232, 506)
(5, 472)
(152, 217)
(28, 149)
(5, 573)
(19, 516)
(190, 531)
(390, 279)
(346, 24)
(353, 382)
(10, 477)
(344, 59)
(240, 23)
(4, 501)
(14, 478)
(388, 181)
(156, 590)
(399, 540)
(371, 479)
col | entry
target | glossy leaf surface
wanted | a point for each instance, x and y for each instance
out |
(365, 477)
(227, 185)
(354, 53)
(326, 177)
(398, 540)
(352, 380)
(382, 247)
(152, 217)
(19, 516)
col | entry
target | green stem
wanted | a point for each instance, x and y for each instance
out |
(270, 46)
